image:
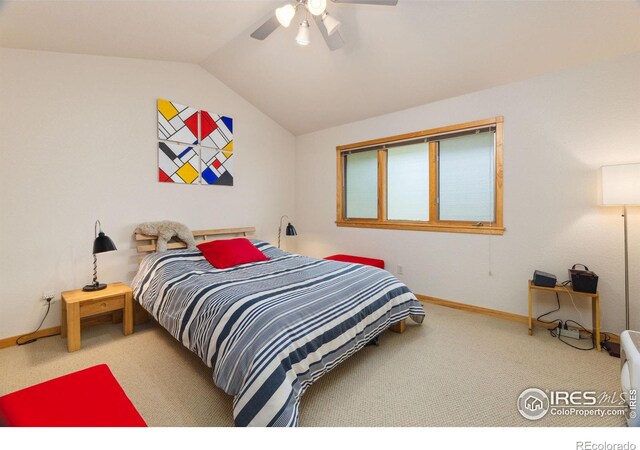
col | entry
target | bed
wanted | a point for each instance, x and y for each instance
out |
(268, 329)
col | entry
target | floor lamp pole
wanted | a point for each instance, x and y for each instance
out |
(626, 271)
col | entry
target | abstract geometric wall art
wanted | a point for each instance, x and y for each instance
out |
(216, 167)
(201, 147)
(177, 163)
(177, 123)
(216, 131)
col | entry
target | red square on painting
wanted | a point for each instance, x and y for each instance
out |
(216, 163)
(192, 123)
(164, 177)
(207, 124)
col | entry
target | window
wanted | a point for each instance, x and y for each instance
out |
(466, 178)
(445, 179)
(408, 172)
(362, 193)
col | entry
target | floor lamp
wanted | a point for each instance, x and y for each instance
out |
(621, 187)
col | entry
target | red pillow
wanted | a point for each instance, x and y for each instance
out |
(226, 253)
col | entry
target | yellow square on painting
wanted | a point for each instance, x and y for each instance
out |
(229, 146)
(166, 108)
(187, 173)
(227, 154)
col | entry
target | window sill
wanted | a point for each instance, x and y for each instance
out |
(415, 226)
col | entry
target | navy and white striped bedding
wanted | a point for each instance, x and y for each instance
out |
(270, 329)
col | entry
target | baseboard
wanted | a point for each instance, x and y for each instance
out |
(473, 308)
(109, 317)
(11, 341)
(496, 313)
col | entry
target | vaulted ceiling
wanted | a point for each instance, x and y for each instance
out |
(394, 58)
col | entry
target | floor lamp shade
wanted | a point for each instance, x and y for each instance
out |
(620, 185)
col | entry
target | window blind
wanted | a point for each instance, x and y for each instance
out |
(408, 182)
(361, 185)
(466, 174)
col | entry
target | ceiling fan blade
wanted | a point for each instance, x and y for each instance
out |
(266, 28)
(334, 42)
(369, 2)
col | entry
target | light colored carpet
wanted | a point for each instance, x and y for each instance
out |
(457, 369)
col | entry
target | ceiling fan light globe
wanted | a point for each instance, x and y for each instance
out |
(285, 14)
(316, 7)
(330, 23)
(303, 33)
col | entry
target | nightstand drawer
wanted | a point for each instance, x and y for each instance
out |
(103, 305)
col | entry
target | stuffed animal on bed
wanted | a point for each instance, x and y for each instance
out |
(165, 230)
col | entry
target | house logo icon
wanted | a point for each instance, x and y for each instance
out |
(533, 404)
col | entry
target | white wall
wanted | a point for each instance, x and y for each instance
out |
(558, 130)
(79, 143)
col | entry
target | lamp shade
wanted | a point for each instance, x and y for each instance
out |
(620, 184)
(291, 230)
(330, 23)
(303, 33)
(103, 244)
(316, 7)
(285, 14)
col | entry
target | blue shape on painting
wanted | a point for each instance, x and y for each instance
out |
(209, 176)
(228, 121)
(187, 150)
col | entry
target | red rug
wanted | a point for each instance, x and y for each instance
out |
(89, 398)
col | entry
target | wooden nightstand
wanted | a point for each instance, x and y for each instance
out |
(78, 304)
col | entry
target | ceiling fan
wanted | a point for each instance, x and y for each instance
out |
(327, 24)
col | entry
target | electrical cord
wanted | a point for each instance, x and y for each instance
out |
(555, 331)
(606, 337)
(36, 330)
(553, 322)
(564, 285)
(589, 333)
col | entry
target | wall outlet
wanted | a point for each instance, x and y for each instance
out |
(48, 297)
(570, 333)
(399, 269)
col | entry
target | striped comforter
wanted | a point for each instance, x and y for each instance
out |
(270, 329)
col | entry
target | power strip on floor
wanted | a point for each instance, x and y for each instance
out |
(568, 332)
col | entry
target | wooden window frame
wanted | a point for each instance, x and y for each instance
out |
(434, 224)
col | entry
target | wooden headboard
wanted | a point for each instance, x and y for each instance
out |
(147, 244)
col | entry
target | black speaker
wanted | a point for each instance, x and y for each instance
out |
(544, 279)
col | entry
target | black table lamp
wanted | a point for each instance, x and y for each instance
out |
(103, 243)
(289, 231)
